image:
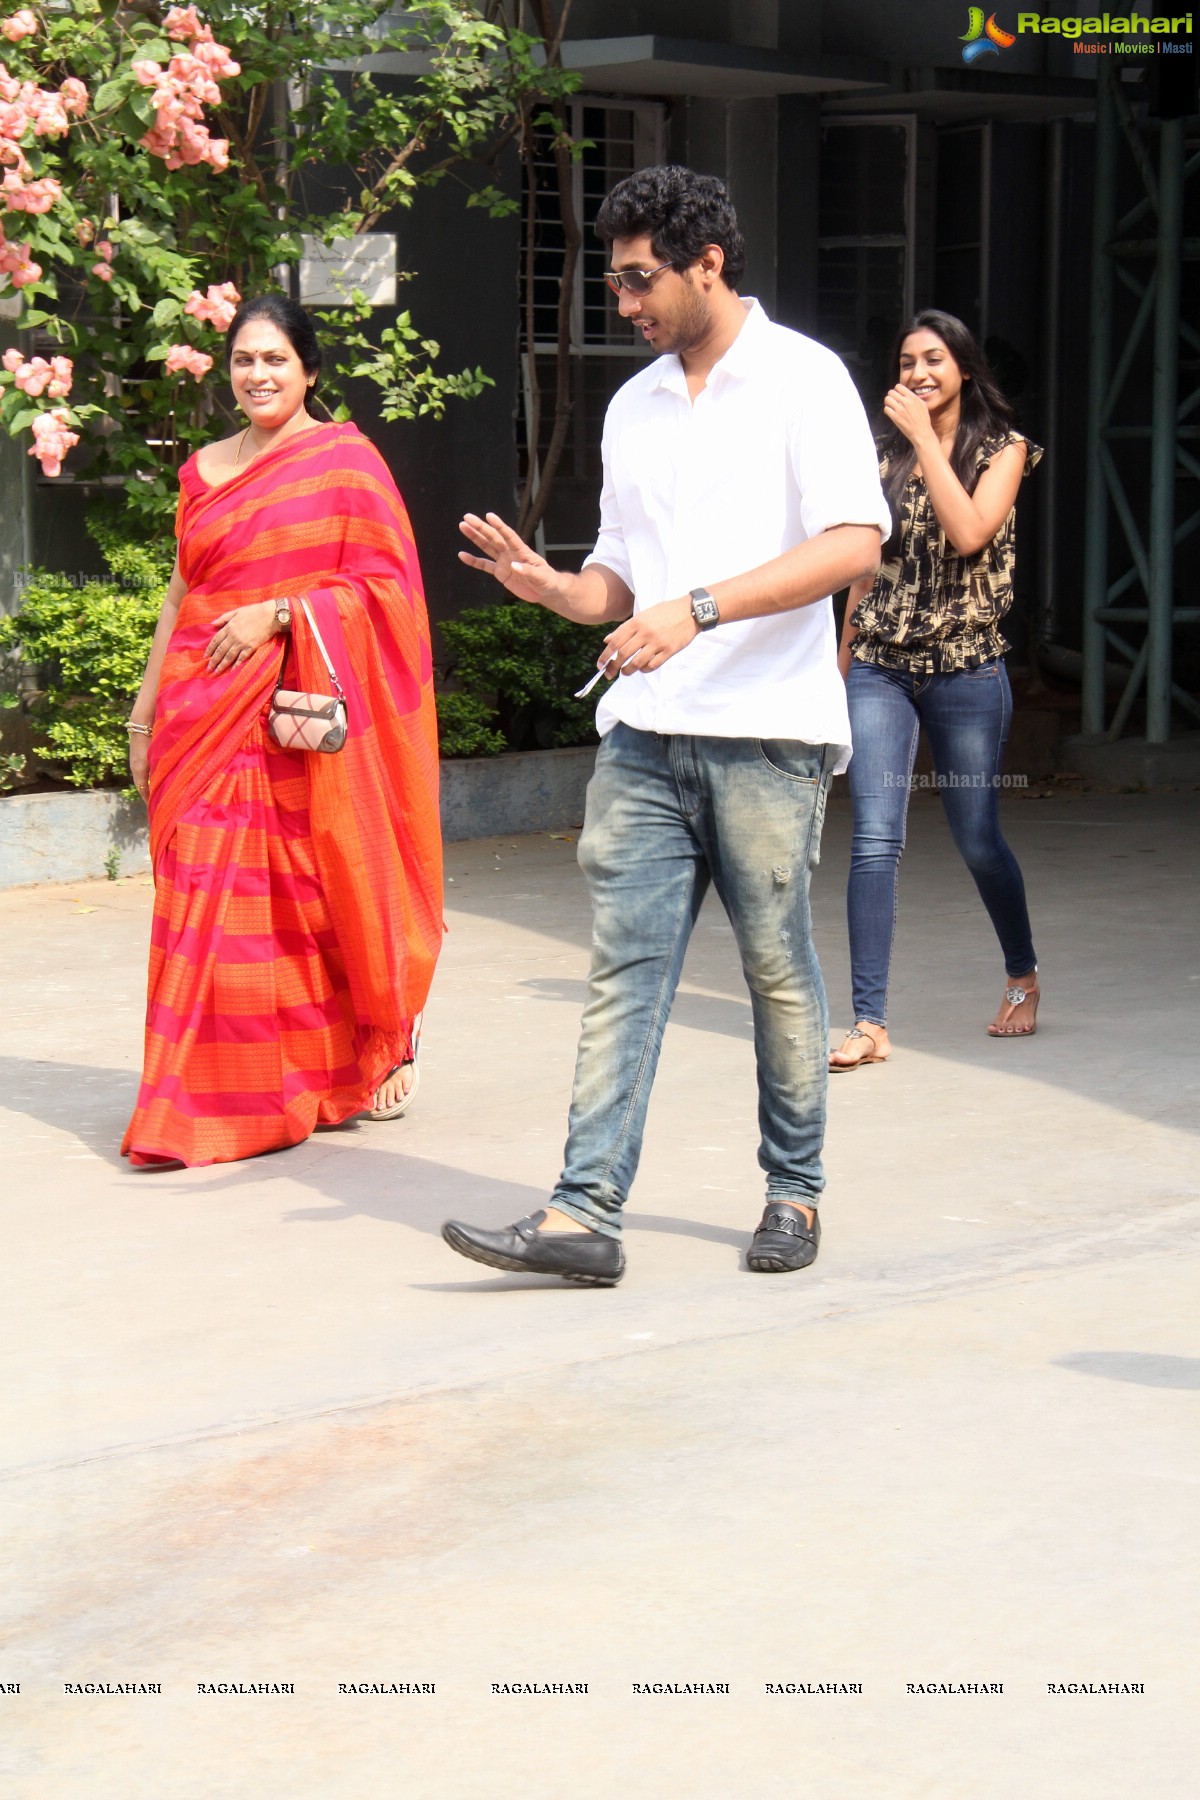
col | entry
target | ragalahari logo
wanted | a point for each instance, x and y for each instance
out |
(984, 39)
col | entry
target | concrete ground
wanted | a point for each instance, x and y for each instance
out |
(262, 1427)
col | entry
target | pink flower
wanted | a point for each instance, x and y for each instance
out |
(216, 59)
(17, 264)
(74, 96)
(52, 438)
(49, 115)
(19, 25)
(33, 376)
(185, 356)
(39, 376)
(184, 22)
(217, 307)
(102, 272)
(182, 91)
(30, 197)
(12, 360)
(105, 249)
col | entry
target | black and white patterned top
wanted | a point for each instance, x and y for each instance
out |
(932, 611)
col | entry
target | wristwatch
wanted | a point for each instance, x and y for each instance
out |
(704, 609)
(283, 614)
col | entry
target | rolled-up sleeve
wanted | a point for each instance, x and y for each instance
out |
(610, 548)
(834, 460)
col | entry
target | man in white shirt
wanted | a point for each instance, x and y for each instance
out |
(740, 491)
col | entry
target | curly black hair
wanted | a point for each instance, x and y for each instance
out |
(681, 213)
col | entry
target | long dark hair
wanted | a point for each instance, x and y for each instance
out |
(983, 412)
(295, 325)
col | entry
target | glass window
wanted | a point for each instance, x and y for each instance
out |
(865, 242)
(617, 137)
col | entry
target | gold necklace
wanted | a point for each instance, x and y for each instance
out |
(242, 440)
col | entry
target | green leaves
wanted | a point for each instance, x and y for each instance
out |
(401, 366)
(86, 646)
(512, 670)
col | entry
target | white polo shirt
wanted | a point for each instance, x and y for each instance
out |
(775, 449)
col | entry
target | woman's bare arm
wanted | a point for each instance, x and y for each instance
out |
(858, 591)
(971, 521)
(142, 711)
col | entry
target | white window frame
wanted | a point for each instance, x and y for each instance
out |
(649, 126)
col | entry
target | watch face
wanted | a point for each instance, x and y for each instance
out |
(704, 611)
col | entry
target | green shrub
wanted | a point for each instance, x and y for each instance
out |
(466, 726)
(514, 669)
(85, 646)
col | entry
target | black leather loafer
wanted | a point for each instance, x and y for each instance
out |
(784, 1240)
(585, 1257)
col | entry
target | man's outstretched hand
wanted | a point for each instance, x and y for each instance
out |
(515, 566)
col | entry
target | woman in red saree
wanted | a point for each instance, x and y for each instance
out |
(298, 899)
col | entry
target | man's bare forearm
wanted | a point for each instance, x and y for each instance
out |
(596, 596)
(809, 572)
(833, 560)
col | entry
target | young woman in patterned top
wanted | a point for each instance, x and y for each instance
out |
(922, 646)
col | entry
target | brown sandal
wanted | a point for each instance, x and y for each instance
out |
(401, 1106)
(864, 1031)
(1016, 995)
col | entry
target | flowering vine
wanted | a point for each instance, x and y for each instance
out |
(147, 180)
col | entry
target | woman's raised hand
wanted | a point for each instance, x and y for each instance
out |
(909, 415)
(516, 567)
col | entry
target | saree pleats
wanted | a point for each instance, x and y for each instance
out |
(297, 912)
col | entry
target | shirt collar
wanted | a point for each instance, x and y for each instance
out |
(737, 361)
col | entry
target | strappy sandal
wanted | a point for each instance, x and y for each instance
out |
(1014, 996)
(405, 1101)
(868, 1056)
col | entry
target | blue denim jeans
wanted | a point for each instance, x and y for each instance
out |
(665, 817)
(966, 718)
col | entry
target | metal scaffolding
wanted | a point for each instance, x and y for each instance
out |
(1121, 249)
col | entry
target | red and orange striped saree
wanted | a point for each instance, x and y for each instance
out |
(298, 902)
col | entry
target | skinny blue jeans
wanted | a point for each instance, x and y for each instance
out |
(966, 716)
(667, 815)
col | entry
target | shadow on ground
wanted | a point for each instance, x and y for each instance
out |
(1140, 1367)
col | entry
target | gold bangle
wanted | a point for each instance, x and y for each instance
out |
(142, 730)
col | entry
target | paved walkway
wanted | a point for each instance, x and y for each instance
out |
(261, 1427)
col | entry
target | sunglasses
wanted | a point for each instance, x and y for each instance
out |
(634, 281)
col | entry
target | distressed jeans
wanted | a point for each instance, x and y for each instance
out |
(667, 815)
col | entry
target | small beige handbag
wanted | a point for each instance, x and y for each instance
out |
(309, 721)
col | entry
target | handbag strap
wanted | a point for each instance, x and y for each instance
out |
(307, 610)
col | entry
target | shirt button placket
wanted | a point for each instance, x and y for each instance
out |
(681, 514)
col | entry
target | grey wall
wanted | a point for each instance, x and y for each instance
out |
(464, 294)
(799, 143)
(738, 140)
